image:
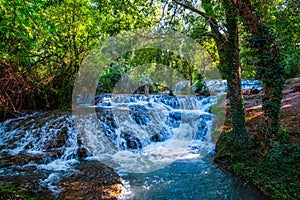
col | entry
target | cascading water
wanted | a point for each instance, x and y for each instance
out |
(151, 131)
(159, 144)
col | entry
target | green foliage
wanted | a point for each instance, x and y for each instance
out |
(108, 80)
(142, 66)
(200, 86)
(271, 72)
(43, 43)
(283, 136)
(11, 192)
(248, 54)
(276, 170)
(282, 17)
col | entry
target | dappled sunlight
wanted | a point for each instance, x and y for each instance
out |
(253, 115)
(287, 106)
(253, 112)
(75, 190)
(255, 107)
(290, 98)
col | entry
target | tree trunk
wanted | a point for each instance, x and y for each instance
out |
(233, 75)
(228, 49)
(229, 61)
(269, 69)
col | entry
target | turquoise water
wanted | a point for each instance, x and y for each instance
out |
(188, 179)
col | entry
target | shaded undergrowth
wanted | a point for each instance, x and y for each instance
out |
(274, 170)
(11, 192)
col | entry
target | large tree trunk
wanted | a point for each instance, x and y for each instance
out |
(229, 61)
(228, 49)
(269, 68)
(233, 74)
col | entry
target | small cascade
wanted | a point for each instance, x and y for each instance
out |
(180, 85)
(217, 86)
(146, 129)
(38, 133)
(46, 143)
(85, 99)
(251, 84)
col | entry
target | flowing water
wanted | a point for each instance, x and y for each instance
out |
(188, 179)
(160, 145)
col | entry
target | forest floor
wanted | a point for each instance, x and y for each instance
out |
(290, 109)
(274, 170)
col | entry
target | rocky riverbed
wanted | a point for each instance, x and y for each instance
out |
(36, 168)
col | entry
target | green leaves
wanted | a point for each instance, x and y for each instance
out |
(47, 40)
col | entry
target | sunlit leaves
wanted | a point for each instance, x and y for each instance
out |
(47, 40)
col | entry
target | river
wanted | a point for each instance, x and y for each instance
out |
(160, 145)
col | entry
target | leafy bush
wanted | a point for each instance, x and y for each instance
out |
(275, 171)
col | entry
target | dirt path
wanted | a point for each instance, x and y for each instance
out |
(290, 108)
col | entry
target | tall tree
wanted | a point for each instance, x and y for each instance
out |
(233, 73)
(283, 18)
(228, 55)
(269, 68)
(79, 25)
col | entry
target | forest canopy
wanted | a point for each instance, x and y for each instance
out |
(43, 42)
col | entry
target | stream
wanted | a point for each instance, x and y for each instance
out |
(188, 179)
(160, 145)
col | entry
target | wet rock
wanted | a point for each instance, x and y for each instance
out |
(8, 160)
(107, 123)
(162, 136)
(83, 152)
(62, 137)
(251, 91)
(21, 159)
(131, 142)
(28, 180)
(106, 117)
(58, 140)
(47, 134)
(140, 114)
(174, 119)
(93, 180)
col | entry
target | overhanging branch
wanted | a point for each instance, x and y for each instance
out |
(212, 22)
(203, 14)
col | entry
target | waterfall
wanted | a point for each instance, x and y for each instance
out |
(133, 125)
(130, 133)
(180, 85)
(150, 131)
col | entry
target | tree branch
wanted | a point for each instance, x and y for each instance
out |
(212, 22)
(203, 14)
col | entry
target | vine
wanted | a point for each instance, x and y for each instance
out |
(271, 72)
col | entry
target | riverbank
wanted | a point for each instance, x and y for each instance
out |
(93, 180)
(276, 172)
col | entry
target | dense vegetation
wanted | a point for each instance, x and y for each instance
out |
(275, 170)
(44, 42)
